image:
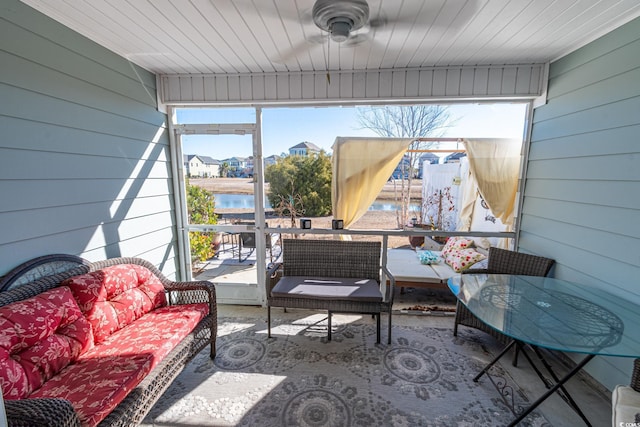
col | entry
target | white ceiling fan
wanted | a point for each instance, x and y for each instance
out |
(340, 21)
(349, 23)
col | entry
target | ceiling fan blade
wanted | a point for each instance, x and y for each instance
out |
(356, 39)
(378, 21)
(289, 56)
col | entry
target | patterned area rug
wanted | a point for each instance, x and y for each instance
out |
(298, 378)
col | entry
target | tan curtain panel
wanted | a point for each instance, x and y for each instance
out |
(469, 192)
(495, 165)
(361, 167)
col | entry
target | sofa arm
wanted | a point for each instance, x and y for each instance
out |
(192, 292)
(274, 273)
(41, 413)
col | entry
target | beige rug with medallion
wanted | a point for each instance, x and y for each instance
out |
(298, 378)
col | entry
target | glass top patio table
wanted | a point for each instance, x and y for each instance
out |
(552, 313)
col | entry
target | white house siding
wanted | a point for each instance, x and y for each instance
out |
(84, 158)
(459, 83)
(581, 204)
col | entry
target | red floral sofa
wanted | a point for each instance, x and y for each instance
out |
(98, 344)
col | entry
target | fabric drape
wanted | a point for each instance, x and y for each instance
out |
(361, 167)
(469, 192)
(495, 165)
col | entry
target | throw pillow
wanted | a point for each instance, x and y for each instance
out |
(428, 257)
(115, 296)
(456, 242)
(39, 336)
(462, 259)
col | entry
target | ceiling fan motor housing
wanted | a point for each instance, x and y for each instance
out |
(339, 18)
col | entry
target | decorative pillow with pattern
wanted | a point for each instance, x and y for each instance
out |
(463, 259)
(115, 296)
(456, 242)
(40, 336)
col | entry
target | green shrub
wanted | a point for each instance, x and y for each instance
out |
(200, 207)
(307, 179)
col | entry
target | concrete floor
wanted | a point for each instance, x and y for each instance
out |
(592, 398)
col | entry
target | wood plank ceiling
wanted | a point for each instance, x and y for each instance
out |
(170, 37)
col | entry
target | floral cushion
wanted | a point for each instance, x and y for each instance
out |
(455, 242)
(115, 296)
(104, 375)
(462, 259)
(39, 337)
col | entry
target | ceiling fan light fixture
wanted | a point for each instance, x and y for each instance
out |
(340, 30)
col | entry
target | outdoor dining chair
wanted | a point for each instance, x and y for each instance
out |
(247, 240)
(501, 261)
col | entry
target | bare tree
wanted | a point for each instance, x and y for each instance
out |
(407, 121)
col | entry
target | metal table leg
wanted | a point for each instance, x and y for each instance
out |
(552, 387)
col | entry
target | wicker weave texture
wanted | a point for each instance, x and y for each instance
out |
(331, 258)
(635, 376)
(502, 261)
(132, 410)
(41, 413)
(39, 267)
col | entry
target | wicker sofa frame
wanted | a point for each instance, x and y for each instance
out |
(331, 259)
(501, 261)
(135, 406)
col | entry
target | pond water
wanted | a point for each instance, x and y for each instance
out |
(245, 201)
(237, 201)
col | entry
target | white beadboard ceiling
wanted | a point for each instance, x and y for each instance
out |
(271, 36)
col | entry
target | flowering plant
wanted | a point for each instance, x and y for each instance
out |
(439, 210)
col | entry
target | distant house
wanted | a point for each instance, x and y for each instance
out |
(239, 166)
(201, 166)
(271, 160)
(402, 170)
(212, 166)
(427, 157)
(454, 158)
(304, 149)
(236, 163)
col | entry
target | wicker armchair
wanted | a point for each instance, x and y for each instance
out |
(350, 263)
(502, 261)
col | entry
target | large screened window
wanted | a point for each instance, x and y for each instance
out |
(268, 168)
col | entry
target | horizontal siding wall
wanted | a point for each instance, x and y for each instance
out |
(451, 83)
(84, 153)
(581, 204)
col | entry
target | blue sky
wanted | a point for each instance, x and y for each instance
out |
(285, 127)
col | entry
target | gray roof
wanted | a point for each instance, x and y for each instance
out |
(204, 159)
(308, 145)
(455, 156)
(429, 156)
(209, 160)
